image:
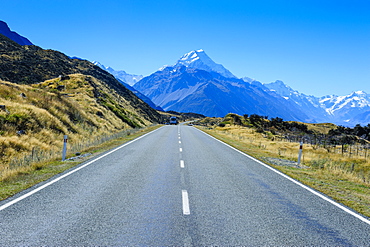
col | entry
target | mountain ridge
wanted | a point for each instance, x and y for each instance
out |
(32, 64)
(180, 86)
(5, 30)
(209, 93)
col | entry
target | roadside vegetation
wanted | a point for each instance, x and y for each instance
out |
(34, 119)
(25, 176)
(335, 159)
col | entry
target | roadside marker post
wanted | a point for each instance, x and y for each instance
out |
(300, 153)
(65, 148)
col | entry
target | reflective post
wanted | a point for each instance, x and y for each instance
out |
(65, 148)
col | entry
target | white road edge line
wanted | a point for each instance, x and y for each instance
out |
(69, 173)
(185, 203)
(360, 217)
(182, 164)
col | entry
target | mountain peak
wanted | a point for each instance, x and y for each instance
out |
(198, 59)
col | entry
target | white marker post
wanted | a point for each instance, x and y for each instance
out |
(300, 153)
(65, 148)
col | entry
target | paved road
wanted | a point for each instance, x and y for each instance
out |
(175, 187)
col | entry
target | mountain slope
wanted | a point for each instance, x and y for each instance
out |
(5, 30)
(308, 104)
(128, 80)
(31, 64)
(196, 83)
(346, 110)
(200, 60)
(187, 89)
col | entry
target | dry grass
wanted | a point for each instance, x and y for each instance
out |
(85, 110)
(18, 179)
(344, 178)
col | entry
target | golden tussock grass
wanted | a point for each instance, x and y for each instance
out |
(345, 177)
(36, 118)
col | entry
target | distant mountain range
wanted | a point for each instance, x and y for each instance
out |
(128, 81)
(345, 110)
(194, 84)
(197, 84)
(121, 74)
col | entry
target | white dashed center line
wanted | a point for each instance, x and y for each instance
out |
(182, 164)
(185, 203)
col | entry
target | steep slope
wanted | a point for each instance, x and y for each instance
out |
(187, 89)
(310, 105)
(31, 64)
(5, 30)
(34, 118)
(128, 81)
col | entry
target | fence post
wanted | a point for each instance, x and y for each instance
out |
(65, 148)
(300, 153)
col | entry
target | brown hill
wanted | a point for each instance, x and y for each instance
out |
(32, 64)
(44, 95)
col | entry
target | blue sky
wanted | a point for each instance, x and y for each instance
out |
(317, 47)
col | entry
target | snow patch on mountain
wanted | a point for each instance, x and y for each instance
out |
(342, 110)
(121, 74)
(200, 60)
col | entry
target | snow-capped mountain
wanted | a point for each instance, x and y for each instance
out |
(120, 74)
(200, 60)
(343, 110)
(197, 84)
(192, 89)
(347, 108)
(307, 103)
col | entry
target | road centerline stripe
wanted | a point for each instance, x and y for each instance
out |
(185, 203)
(182, 164)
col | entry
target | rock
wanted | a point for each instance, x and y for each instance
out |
(21, 132)
(61, 87)
(3, 108)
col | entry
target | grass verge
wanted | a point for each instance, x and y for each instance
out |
(335, 183)
(37, 173)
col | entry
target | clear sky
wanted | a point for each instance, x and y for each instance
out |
(317, 47)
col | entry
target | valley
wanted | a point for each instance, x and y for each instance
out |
(133, 176)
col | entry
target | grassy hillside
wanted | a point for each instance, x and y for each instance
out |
(45, 95)
(34, 118)
(31, 64)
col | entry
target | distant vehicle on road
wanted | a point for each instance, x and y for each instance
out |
(173, 121)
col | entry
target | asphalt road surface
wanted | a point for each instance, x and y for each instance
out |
(176, 186)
